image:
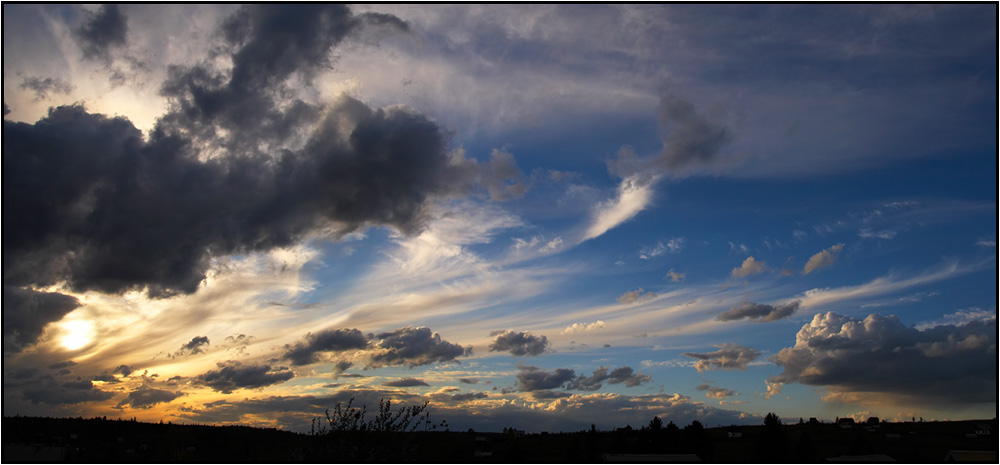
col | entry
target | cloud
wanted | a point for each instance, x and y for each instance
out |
(961, 317)
(986, 242)
(877, 359)
(501, 177)
(748, 268)
(468, 380)
(633, 197)
(405, 382)
(103, 31)
(622, 375)
(728, 357)
(674, 276)
(518, 343)
(328, 340)
(531, 378)
(65, 393)
(717, 393)
(635, 296)
(584, 327)
(773, 388)
(195, 346)
(42, 87)
(469, 396)
(869, 233)
(146, 397)
(27, 312)
(693, 142)
(822, 259)
(123, 370)
(765, 312)
(413, 346)
(233, 375)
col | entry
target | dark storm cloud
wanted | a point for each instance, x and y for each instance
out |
(620, 375)
(145, 397)
(764, 312)
(42, 87)
(413, 346)
(26, 311)
(946, 364)
(61, 365)
(518, 343)
(341, 366)
(469, 396)
(64, 393)
(728, 357)
(104, 30)
(233, 375)
(329, 340)
(405, 382)
(123, 370)
(195, 346)
(531, 378)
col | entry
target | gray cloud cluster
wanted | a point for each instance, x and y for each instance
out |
(145, 397)
(412, 346)
(530, 378)
(878, 355)
(406, 382)
(714, 392)
(103, 31)
(635, 296)
(518, 343)
(102, 208)
(233, 375)
(42, 87)
(728, 357)
(620, 375)
(329, 340)
(749, 267)
(764, 312)
(196, 345)
(65, 393)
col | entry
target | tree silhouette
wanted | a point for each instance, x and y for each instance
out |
(655, 424)
(772, 443)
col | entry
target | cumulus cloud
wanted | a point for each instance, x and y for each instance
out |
(714, 392)
(728, 357)
(879, 357)
(749, 267)
(518, 343)
(583, 327)
(405, 382)
(622, 375)
(195, 346)
(635, 296)
(329, 340)
(413, 346)
(531, 378)
(822, 259)
(123, 370)
(764, 312)
(233, 375)
(238, 164)
(145, 397)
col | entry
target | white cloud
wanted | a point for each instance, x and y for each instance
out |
(584, 327)
(823, 259)
(633, 197)
(674, 276)
(748, 268)
(869, 233)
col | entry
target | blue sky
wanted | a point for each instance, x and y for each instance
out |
(538, 217)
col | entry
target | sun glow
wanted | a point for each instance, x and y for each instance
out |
(77, 334)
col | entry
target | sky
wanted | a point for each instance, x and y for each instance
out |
(542, 217)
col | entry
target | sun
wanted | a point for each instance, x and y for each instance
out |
(77, 334)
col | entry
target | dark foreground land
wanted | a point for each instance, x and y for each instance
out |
(27, 439)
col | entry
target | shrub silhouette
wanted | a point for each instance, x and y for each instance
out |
(349, 436)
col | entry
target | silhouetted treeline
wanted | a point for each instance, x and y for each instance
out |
(28, 439)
